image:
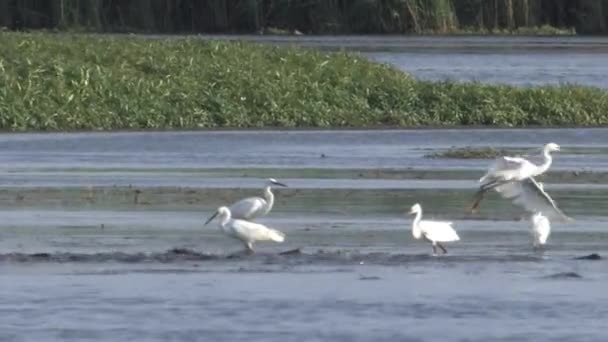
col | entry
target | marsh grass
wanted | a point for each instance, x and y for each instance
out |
(473, 153)
(88, 82)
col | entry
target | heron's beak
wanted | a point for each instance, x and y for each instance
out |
(279, 184)
(211, 218)
(411, 213)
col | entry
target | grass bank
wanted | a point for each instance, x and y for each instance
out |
(80, 82)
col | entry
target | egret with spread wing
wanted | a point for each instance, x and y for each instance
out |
(245, 231)
(433, 231)
(512, 169)
(531, 196)
(253, 207)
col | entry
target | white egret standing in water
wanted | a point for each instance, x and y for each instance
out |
(433, 231)
(253, 207)
(512, 169)
(245, 231)
(541, 228)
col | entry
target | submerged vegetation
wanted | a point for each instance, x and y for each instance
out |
(311, 16)
(74, 82)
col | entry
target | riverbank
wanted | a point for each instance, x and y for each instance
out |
(83, 82)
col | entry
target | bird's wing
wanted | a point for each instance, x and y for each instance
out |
(508, 163)
(531, 196)
(247, 208)
(512, 162)
(533, 155)
(439, 231)
(504, 167)
(252, 231)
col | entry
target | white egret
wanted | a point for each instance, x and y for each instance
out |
(433, 231)
(531, 196)
(245, 231)
(509, 169)
(253, 207)
(541, 228)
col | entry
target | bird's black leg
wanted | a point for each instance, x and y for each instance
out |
(249, 248)
(474, 207)
(538, 248)
(434, 249)
(445, 251)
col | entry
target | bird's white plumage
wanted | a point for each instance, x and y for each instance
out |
(245, 231)
(254, 207)
(530, 195)
(432, 231)
(251, 231)
(509, 168)
(517, 168)
(541, 228)
(438, 231)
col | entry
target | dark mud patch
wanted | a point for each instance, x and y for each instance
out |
(592, 256)
(296, 251)
(564, 275)
(295, 257)
(173, 255)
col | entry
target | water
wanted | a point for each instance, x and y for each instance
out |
(101, 238)
(510, 60)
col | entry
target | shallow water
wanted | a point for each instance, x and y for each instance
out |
(101, 238)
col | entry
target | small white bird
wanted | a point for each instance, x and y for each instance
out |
(512, 169)
(432, 231)
(254, 207)
(245, 231)
(541, 228)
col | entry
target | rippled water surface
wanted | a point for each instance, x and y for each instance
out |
(102, 238)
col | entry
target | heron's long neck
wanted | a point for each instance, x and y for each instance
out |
(546, 162)
(224, 219)
(269, 198)
(415, 228)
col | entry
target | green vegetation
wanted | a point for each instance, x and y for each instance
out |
(544, 30)
(81, 82)
(311, 16)
(472, 153)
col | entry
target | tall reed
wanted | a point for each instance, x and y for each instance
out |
(308, 16)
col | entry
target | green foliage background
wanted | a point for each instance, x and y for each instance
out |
(73, 82)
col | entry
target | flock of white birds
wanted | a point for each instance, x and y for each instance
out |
(511, 177)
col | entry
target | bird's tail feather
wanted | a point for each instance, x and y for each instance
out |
(276, 235)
